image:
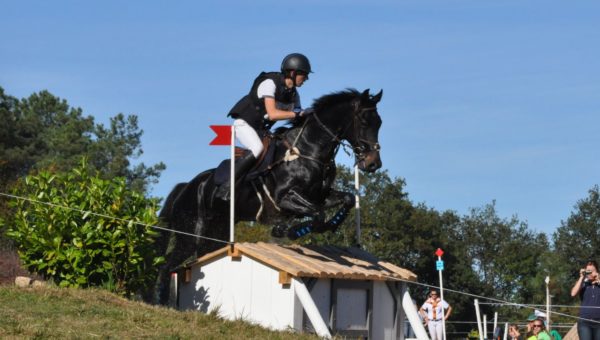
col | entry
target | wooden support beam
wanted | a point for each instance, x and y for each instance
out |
(285, 278)
(234, 252)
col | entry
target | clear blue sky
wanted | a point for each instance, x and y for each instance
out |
(482, 100)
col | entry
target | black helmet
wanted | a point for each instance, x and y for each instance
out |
(295, 62)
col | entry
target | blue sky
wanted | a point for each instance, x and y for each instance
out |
(483, 100)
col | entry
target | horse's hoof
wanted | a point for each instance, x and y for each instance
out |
(279, 231)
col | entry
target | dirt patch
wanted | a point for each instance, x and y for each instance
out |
(10, 266)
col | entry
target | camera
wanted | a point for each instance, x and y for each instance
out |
(587, 272)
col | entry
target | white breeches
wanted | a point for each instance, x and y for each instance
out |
(248, 136)
(435, 329)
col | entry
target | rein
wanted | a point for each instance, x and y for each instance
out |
(358, 151)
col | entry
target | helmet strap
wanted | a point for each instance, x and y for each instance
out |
(292, 74)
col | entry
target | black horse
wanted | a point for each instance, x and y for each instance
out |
(297, 183)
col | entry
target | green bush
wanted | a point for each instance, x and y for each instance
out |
(103, 239)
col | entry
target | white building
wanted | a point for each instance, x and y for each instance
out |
(322, 289)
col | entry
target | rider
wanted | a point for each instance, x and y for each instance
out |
(273, 97)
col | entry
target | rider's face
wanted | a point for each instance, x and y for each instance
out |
(301, 78)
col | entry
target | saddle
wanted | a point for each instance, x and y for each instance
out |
(222, 172)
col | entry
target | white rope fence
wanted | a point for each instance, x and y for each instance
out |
(494, 301)
(111, 217)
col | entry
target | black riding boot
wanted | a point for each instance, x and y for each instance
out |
(242, 165)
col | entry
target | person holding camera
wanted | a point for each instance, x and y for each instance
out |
(588, 289)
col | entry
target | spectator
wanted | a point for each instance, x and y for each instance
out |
(432, 313)
(588, 289)
(539, 331)
(555, 335)
(513, 333)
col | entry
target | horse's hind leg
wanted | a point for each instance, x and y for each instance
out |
(162, 244)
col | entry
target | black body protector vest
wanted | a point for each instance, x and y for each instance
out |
(252, 109)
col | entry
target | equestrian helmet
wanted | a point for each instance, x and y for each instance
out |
(295, 62)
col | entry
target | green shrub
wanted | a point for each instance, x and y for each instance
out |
(103, 239)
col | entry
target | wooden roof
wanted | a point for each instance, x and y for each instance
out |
(315, 261)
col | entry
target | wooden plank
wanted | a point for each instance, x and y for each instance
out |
(401, 272)
(304, 264)
(332, 265)
(355, 268)
(326, 263)
(209, 257)
(251, 251)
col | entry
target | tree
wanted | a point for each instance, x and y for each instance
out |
(115, 146)
(578, 238)
(507, 257)
(576, 241)
(78, 229)
(43, 131)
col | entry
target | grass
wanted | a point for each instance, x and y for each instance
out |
(62, 313)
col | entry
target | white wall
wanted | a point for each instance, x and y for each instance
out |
(383, 312)
(243, 289)
(249, 290)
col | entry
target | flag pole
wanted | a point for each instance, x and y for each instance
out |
(232, 188)
(357, 204)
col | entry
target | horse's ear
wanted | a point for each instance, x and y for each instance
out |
(364, 96)
(376, 98)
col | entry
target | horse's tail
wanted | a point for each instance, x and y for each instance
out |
(163, 239)
(167, 210)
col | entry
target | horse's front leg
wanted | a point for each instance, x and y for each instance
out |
(334, 199)
(296, 204)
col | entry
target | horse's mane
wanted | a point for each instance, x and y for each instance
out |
(319, 105)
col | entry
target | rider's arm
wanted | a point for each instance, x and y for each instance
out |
(274, 113)
(266, 91)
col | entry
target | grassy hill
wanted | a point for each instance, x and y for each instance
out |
(52, 312)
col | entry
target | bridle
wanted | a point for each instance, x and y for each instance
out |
(363, 145)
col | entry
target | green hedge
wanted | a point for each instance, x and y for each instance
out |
(104, 238)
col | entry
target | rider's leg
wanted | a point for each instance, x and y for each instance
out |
(250, 139)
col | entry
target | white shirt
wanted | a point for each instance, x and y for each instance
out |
(429, 308)
(267, 89)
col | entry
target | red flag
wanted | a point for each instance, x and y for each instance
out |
(223, 135)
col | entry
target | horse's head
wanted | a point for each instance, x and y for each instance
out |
(352, 116)
(363, 133)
